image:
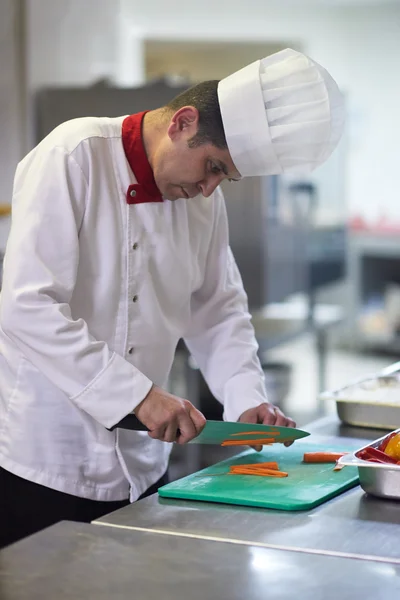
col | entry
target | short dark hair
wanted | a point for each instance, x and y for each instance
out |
(204, 97)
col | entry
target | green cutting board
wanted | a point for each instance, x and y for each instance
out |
(307, 485)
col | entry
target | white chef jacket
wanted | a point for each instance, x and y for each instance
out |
(97, 290)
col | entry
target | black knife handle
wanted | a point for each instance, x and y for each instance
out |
(130, 422)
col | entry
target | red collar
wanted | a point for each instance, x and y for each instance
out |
(145, 190)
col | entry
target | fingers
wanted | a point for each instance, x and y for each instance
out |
(171, 432)
(168, 417)
(158, 432)
(197, 417)
(272, 415)
(187, 429)
(191, 424)
(180, 429)
(280, 419)
(290, 423)
(266, 415)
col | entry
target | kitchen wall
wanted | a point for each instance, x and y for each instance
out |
(12, 126)
(70, 42)
(78, 41)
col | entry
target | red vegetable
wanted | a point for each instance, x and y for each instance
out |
(375, 455)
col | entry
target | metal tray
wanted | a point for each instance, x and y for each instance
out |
(360, 403)
(366, 414)
(376, 479)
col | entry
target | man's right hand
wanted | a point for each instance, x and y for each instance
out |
(169, 418)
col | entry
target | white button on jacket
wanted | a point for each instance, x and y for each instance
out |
(77, 255)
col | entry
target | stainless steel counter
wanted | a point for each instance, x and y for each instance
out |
(353, 524)
(76, 561)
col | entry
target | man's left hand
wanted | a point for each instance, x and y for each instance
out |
(266, 414)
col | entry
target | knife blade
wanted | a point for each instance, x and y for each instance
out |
(216, 432)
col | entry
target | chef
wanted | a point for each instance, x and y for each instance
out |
(118, 248)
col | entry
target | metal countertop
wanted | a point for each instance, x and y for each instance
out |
(78, 561)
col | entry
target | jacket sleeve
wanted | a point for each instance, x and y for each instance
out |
(221, 337)
(40, 271)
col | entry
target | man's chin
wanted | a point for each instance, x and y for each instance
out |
(177, 193)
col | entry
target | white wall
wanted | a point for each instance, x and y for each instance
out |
(70, 41)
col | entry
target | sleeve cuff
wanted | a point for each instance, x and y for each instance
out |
(117, 390)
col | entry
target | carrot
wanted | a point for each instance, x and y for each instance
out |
(257, 433)
(259, 472)
(338, 467)
(265, 469)
(322, 457)
(239, 468)
(264, 465)
(248, 442)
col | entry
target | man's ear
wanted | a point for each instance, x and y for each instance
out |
(184, 123)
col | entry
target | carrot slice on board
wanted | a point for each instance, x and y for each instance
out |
(264, 465)
(260, 473)
(322, 457)
(266, 469)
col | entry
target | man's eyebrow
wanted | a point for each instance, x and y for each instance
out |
(224, 169)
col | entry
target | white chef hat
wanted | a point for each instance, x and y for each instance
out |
(281, 114)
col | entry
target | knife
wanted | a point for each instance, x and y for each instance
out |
(216, 432)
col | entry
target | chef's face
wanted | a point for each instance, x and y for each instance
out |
(184, 172)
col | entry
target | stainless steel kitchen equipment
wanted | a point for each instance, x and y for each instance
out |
(373, 401)
(382, 480)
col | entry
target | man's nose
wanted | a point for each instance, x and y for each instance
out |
(208, 185)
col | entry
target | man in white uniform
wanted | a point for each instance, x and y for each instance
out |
(119, 248)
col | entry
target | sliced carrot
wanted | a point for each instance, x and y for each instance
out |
(322, 457)
(338, 467)
(264, 465)
(260, 473)
(257, 433)
(265, 469)
(247, 442)
(236, 469)
(267, 473)
(253, 468)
